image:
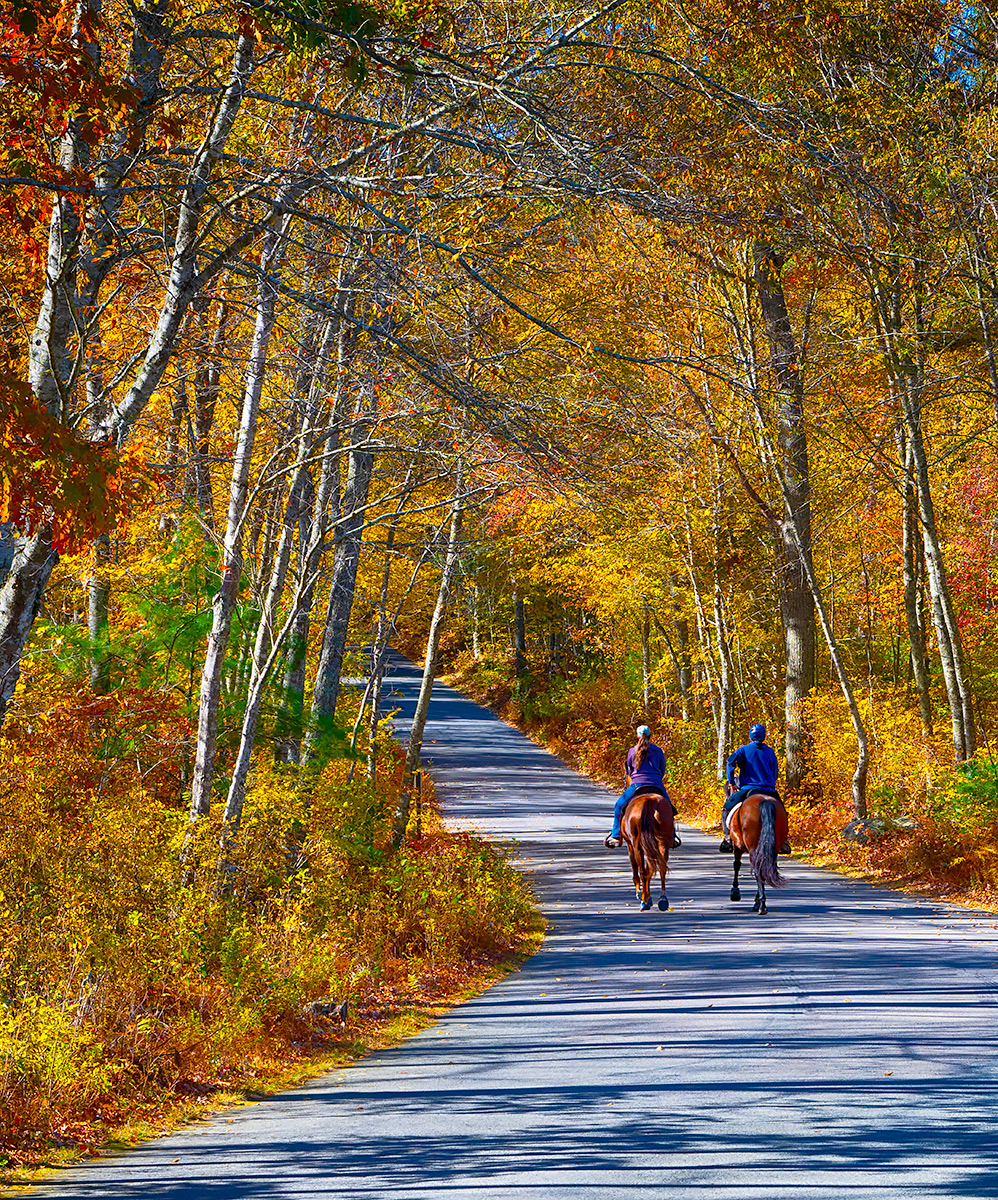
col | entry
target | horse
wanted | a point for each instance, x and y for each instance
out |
(648, 829)
(759, 826)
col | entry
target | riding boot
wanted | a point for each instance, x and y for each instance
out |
(785, 848)
(726, 847)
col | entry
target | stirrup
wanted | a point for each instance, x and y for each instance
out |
(677, 841)
(611, 842)
(726, 847)
(785, 848)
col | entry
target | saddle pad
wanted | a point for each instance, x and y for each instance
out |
(733, 811)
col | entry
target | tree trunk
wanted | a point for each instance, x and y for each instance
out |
(346, 559)
(382, 634)
(796, 601)
(311, 535)
(20, 597)
(645, 656)
(906, 369)
(207, 386)
(910, 563)
(429, 670)
(947, 629)
(724, 686)
(49, 351)
(859, 729)
(474, 601)
(519, 635)
(287, 732)
(268, 641)
(98, 600)
(226, 598)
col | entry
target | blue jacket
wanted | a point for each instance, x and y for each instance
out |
(756, 766)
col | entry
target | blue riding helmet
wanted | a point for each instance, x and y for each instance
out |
(644, 731)
(757, 733)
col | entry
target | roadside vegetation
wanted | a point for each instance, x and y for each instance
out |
(136, 993)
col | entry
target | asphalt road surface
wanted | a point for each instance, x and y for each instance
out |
(842, 1046)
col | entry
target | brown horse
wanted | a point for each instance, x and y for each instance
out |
(649, 829)
(759, 827)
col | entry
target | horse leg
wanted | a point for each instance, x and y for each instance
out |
(663, 863)
(735, 892)
(760, 902)
(634, 852)
(647, 866)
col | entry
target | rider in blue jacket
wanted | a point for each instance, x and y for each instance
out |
(758, 770)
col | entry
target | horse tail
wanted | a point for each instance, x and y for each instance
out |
(763, 857)
(649, 830)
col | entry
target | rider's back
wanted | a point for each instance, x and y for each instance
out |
(652, 769)
(757, 765)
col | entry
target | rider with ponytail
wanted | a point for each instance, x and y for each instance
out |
(645, 771)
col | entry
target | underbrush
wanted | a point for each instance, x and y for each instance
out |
(931, 827)
(131, 981)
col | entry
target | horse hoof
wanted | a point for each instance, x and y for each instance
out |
(645, 905)
(664, 904)
(756, 906)
(763, 910)
(735, 894)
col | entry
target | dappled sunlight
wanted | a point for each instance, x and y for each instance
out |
(843, 1045)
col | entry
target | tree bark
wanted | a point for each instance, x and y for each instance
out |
(906, 369)
(519, 635)
(98, 602)
(20, 598)
(859, 729)
(346, 559)
(910, 563)
(724, 685)
(947, 629)
(429, 669)
(645, 656)
(207, 387)
(226, 598)
(796, 601)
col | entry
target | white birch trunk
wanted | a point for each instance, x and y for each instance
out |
(429, 670)
(225, 600)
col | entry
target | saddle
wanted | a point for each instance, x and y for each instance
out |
(652, 789)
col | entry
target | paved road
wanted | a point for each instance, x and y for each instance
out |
(843, 1046)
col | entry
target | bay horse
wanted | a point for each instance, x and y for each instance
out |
(758, 827)
(648, 829)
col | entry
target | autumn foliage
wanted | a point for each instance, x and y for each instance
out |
(128, 991)
(650, 352)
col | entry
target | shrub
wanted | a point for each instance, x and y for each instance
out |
(126, 975)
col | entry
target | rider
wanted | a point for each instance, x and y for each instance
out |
(644, 768)
(758, 771)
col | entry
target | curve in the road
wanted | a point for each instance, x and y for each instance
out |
(843, 1046)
